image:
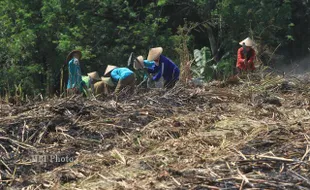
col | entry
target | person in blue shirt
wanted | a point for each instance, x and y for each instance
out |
(121, 76)
(164, 67)
(75, 82)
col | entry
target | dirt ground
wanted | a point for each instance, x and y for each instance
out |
(250, 134)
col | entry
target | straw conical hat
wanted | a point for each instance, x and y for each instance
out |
(94, 75)
(154, 53)
(70, 55)
(108, 81)
(109, 69)
(138, 63)
(248, 42)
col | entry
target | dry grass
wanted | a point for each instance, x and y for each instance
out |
(187, 138)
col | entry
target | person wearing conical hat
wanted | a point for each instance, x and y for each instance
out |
(164, 67)
(141, 63)
(246, 56)
(104, 87)
(89, 81)
(122, 77)
(74, 84)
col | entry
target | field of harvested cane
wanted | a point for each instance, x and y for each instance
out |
(251, 134)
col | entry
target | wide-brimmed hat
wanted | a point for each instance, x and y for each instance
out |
(138, 63)
(109, 69)
(248, 42)
(108, 81)
(154, 53)
(94, 75)
(70, 55)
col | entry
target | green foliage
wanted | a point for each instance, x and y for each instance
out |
(203, 64)
(224, 68)
(205, 67)
(264, 19)
(37, 35)
(161, 2)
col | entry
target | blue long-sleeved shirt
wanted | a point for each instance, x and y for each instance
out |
(120, 73)
(170, 71)
(75, 76)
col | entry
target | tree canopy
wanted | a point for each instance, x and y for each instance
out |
(37, 35)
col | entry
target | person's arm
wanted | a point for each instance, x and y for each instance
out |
(153, 69)
(253, 54)
(78, 69)
(240, 59)
(251, 60)
(158, 75)
(148, 64)
(71, 72)
(91, 84)
(106, 89)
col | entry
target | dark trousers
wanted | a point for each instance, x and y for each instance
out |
(174, 79)
(170, 83)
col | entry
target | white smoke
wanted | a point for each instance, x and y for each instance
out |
(296, 67)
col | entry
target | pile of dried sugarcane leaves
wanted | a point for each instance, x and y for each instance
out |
(253, 134)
